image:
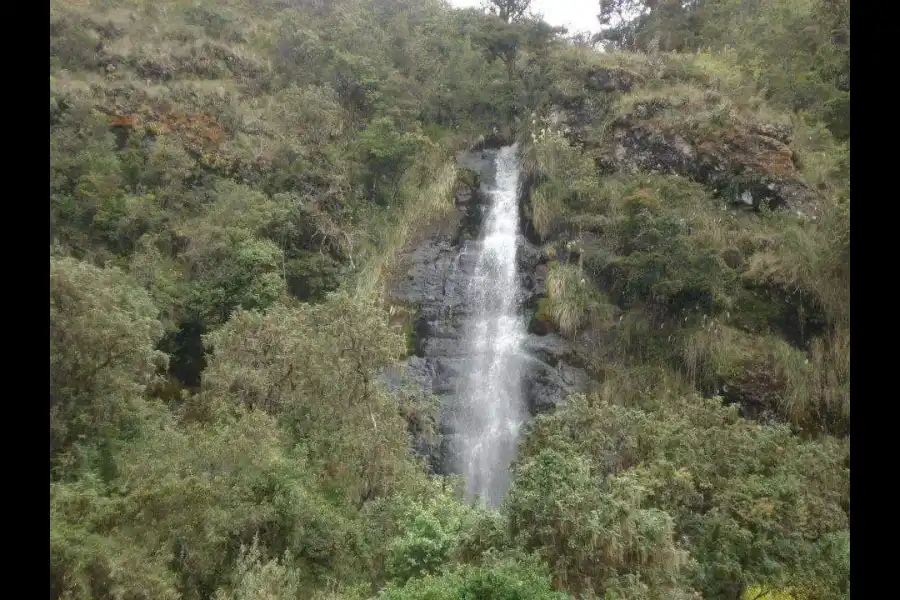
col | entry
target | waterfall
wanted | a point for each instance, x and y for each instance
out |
(491, 404)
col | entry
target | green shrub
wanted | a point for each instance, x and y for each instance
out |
(103, 335)
(736, 490)
(429, 535)
(506, 579)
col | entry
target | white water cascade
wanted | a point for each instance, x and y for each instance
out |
(492, 410)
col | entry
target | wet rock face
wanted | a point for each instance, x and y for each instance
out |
(550, 377)
(532, 265)
(436, 274)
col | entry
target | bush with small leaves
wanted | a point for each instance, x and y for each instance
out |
(103, 335)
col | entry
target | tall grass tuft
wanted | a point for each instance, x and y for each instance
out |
(574, 302)
(818, 392)
(421, 205)
(547, 206)
(810, 390)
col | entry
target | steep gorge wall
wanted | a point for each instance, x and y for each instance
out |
(743, 161)
(653, 191)
(432, 289)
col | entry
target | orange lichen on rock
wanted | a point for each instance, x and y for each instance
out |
(123, 121)
(777, 159)
(198, 130)
(762, 153)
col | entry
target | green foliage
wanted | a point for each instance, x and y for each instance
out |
(312, 275)
(596, 538)
(798, 50)
(183, 133)
(186, 497)
(429, 534)
(572, 302)
(314, 368)
(233, 186)
(756, 504)
(510, 10)
(103, 333)
(387, 153)
(486, 537)
(566, 179)
(759, 593)
(257, 579)
(506, 579)
(765, 373)
(234, 271)
(665, 253)
(662, 262)
(88, 564)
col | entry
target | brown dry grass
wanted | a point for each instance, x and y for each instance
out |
(574, 303)
(811, 390)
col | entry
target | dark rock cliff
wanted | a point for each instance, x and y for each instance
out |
(435, 275)
(747, 162)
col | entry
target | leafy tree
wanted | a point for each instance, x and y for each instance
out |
(88, 562)
(430, 531)
(187, 497)
(255, 578)
(103, 333)
(314, 367)
(596, 538)
(234, 271)
(506, 579)
(387, 152)
(510, 10)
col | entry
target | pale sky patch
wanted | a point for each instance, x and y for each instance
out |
(576, 15)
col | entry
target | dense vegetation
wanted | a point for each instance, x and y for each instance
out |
(231, 182)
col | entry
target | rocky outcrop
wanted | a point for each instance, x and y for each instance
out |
(750, 167)
(433, 288)
(600, 79)
(551, 374)
(747, 162)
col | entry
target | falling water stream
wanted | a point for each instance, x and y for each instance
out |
(491, 402)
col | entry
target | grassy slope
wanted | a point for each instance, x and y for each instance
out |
(671, 293)
(753, 305)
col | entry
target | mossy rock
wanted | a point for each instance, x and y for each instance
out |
(542, 321)
(403, 318)
(467, 178)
